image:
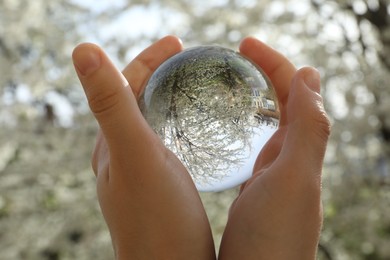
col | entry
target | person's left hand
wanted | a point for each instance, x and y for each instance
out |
(147, 197)
(278, 213)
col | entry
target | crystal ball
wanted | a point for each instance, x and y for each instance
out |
(215, 109)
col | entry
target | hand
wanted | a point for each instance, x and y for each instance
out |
(278, 213)
(148, 199)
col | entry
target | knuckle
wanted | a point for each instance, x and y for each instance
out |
(103, 102)
(322, 121)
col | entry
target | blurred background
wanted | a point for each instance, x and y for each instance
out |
(48, 204)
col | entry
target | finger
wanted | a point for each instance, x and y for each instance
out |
(278, 68)
(141, 68)
(308, 126)
(112, 103)
(299, 161)
(270, 151)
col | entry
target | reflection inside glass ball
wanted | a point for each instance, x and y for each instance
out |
(215, 110)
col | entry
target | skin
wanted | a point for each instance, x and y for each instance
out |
(150, 204)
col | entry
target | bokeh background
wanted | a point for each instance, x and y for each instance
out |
(48, 204)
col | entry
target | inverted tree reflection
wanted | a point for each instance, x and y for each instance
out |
(207, 106)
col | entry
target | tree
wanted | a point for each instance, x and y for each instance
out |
(44, 180)
(358, 97)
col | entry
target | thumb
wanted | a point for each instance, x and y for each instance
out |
(110, 98)
(308, 125)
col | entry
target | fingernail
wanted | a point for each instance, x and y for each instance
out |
(312, 80)
(87, 62)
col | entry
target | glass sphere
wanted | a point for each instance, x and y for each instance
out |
(215, 110)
